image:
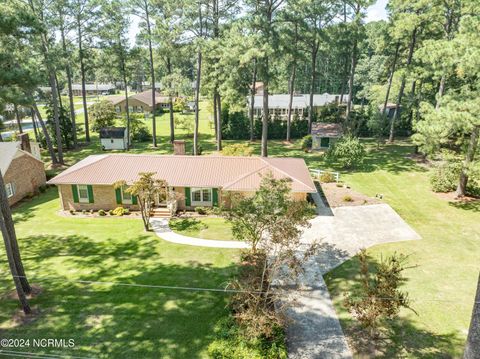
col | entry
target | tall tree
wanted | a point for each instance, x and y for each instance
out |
(145, 11)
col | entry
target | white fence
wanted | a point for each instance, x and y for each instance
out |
(317, 173)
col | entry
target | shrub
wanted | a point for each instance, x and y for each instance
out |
(110, 212)
(119, 211)
(101, 212)
(237, 149)
(141, 134)
(347, 198)
(231, 342)
(72, 212)
(339, 184)
(348, 152)
(444, 177)
(306, 142)
(126, 212)
(201, 210)
(102, 115)
(42, 189)
(327, 177)
(84, 211)
(91, 211)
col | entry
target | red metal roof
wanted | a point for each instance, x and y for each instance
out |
(229, 173)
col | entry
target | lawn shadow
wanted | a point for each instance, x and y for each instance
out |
(473, 205)
(186, 224)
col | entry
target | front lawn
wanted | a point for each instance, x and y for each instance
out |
(112, 320)
(205, 228)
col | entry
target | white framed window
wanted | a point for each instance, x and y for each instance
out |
(201, 196)
(126, 196)
(10, 188)
(83, 193)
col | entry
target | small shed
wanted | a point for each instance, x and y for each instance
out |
(325, 134)
(114, 138)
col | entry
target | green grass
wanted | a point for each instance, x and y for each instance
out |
(446, 266)
(205, 228)
(446, 262)
(105, 320)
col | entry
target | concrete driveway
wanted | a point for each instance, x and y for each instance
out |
(315, 331)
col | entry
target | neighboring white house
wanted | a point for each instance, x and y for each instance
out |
(114, 138)
(325, 135)
(278, 104)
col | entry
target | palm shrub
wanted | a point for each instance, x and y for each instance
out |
(348, 152)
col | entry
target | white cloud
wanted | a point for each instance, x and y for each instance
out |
(377, 11)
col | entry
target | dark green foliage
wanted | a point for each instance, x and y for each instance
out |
(331, 113)
(102, 115)
(65, 125)
(236, 126)
(306, 142)
(444, 177)
(138, 128)
(348, 152)
(231, 343)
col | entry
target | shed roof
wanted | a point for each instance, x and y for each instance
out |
(229, 173)
(112, 132)
(327, 129)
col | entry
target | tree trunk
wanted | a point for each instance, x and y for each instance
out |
(390, 79)
(10, 235)
(215, 121)
(264, 151)
(170, 101)
(45, 133)
(312, 84)
(68, 70)
(252, 101)
(56, 117)
(16, 279)
(290, 101)
(197, 99)
(219, 123)
(60, 103)
(472, 348)
(152, 75)
(17, 117)
(127, 109)
(402, 87)
(82, 73)
(469, 157)
(34, 123)
(441, 90)
(351, 78)
(413, 102)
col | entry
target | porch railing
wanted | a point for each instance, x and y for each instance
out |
(317, 173)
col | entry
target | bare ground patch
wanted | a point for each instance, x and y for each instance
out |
(340, 196)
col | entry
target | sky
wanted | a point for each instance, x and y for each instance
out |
(374, 13)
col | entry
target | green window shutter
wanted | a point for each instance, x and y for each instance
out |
(215, 197)
(134, 199)
(187, 197)
(90, 193)
(118, 195)
(75, 193)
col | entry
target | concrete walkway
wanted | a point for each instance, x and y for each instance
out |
(315, 331)
(161, 229)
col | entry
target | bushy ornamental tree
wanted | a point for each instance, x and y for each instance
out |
(379, 297)
(348, 152)
(237, 149)
(102, 115)
(272, 222)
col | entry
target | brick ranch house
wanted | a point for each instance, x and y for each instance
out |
(201, 180)
(23, 173)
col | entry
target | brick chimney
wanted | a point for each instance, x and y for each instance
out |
(24, 142)
(179, 147)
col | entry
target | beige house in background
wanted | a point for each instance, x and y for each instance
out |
(201, 180)
(140, 102)
(23, 172)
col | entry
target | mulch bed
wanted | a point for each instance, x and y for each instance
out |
(337, 196)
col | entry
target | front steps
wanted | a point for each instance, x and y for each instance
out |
(160, 212)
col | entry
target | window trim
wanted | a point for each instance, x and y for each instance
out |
(80, 198)
(10, 189)
(126, 201)
(201, 202)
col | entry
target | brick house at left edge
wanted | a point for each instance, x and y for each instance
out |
(23, 171)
